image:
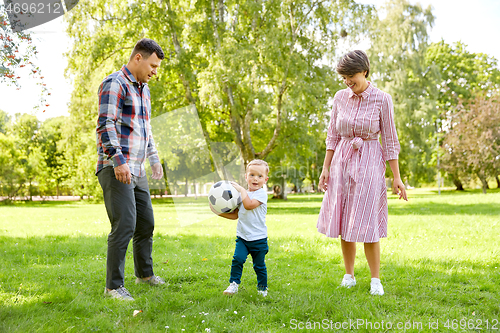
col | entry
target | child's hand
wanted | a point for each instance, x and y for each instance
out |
(237, 187)
(213, 209)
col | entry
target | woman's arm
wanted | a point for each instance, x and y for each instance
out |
(332, 140)
(325, 172)
(398, 183)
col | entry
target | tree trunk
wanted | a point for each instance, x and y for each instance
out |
(484, 181)
(498, 181)
(186, 188)
(277, 192)
(458, 184)
(283, 182)
(186, 76)
(393, 189)
(31, 191)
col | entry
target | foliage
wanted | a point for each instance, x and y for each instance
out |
(472, 145)
(30, 164)
(250, 69)
(9, 173)
(4, 121)
(461, 76)
(397, 55)
(17, 51)
(52, 270)
(55, 171)
(33, 160)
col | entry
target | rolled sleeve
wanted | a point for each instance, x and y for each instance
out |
(152, 153)
(332, 136)
(390, 142)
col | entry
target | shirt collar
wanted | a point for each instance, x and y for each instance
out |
(130, 77)
(364, 94)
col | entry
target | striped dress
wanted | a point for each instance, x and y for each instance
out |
(355, 203)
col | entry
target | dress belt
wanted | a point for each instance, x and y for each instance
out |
(353, 156)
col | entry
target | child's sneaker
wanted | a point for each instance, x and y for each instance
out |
(348, 281)
(376, 287)
(263, 293)
(232, 289)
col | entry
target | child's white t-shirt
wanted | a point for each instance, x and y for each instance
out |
(252, 223)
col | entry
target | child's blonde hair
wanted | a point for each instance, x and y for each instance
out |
(258, 162)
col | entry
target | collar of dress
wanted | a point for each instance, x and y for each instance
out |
(364, 94)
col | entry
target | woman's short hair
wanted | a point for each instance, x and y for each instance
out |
(354, 62)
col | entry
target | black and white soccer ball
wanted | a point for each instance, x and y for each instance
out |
(223, 197)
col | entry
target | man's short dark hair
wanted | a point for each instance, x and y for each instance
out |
(354, 62)
(147, 47)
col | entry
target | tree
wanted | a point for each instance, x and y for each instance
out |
(24, 130)
(473, 142)
(4, 121)
(78, 141)
(247, 67)
(461, 75)
(397, 56)
(55, 172)
(9, 171)
(17, 51)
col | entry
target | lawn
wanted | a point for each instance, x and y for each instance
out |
(440, 270)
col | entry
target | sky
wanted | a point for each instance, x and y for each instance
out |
(475, 23)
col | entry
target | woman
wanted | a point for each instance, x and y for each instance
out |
(353, 176)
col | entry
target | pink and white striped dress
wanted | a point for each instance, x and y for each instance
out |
(355, 203)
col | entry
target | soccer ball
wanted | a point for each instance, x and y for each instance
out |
(223, 197)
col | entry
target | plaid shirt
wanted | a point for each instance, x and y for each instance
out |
(123, 128)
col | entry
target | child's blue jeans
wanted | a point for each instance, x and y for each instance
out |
(258, 250)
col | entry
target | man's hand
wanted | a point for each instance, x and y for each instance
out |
(157, 171)
(122, 174)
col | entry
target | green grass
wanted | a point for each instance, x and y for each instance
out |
(440, 262)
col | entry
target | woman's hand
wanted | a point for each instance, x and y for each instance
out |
(399, 188)
(323, 180)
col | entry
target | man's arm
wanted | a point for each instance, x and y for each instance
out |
(110, 105)
(151, 151)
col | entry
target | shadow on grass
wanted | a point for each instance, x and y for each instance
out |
(292, 210)
(56, 283)
(434, 208)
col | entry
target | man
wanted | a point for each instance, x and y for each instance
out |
(124, 141)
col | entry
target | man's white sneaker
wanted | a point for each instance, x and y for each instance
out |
(232, 289)
(376, 287)
(119, 293)
(348, 281)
